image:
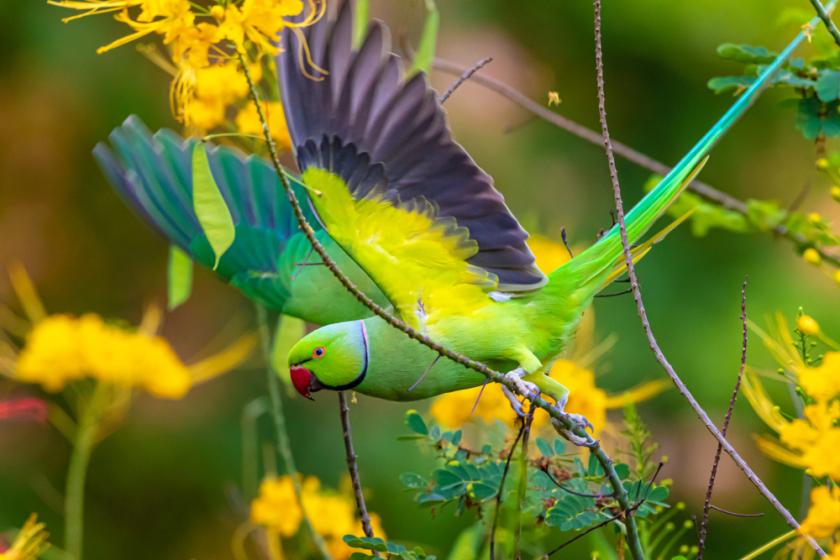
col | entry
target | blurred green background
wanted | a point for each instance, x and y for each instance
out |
(160, 487)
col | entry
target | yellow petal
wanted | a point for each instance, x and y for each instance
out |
(778, 453)
(25, 290)
(223, 361)
(638, 393)
(762, 405)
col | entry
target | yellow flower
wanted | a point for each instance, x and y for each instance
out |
(332, 514)
(200, 45)
(823, 518)
(30, 542)
(205, 94)
(553, 98)
(61, 349)
(276, 506)
(822, 382)
(812, 256)
(807, 325)
(835, 193)
(248, 122)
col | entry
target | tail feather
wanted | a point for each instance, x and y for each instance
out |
(591, 269)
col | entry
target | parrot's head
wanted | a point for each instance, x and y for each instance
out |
(333, 357)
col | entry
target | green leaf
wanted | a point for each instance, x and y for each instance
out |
(210, 206)
(808, 118)
(179, 273)
(415, 422)
(746, 53)
(828, 86)
(544, 447)
(360, 22)
(722, 84)
(764, 215)
(428, 40)
(413, 481)
(289, 330)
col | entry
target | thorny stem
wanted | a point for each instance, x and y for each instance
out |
(562, 422)
(352, 464)
(705, 190)
(278, 416)
(465, 75)
(640, 306)
(633, 542)
(825, 16)
(83, 444)
(707, 504)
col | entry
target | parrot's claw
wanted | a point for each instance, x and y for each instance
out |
(526, 388)
(580, 421)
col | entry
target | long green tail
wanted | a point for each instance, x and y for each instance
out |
(590, 270)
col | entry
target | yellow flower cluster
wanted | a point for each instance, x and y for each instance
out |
(30, 542)
(823, 518)
(810, 442)
(61, 349)
(332, 514)
(203, 43)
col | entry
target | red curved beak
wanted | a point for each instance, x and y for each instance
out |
(302, 380)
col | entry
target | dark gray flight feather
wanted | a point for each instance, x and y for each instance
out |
(386, 135)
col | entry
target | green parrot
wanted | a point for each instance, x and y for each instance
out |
(404, 211)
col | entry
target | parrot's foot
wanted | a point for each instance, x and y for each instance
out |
(524, 387)
(580, 421)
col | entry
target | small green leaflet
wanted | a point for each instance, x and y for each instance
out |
(179, 274)
(360, 22)
(428, 41)
(289, 331)
(210, 206)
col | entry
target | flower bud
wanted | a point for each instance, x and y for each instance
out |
(835, 193)
(807, 325)
(822, 164)
(812, 256)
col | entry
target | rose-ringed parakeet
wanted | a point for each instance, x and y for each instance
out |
(403, 210)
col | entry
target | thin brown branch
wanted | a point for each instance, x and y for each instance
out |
(707, 504)
(563, 423)
(705, 190)
(735, 513)
(640, 306)
(353, 465)
(825, 16)
(465, 75)
(632, 536)
(501, 492)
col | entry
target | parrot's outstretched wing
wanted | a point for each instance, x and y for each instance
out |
(153, 174)
(396, 191)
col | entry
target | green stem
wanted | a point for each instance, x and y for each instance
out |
(283, 445)
(769, 546)
(83, 443)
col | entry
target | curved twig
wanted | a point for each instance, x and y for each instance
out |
(353, 465)
(640, 306)
(707, 504)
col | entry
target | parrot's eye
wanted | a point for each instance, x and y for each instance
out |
(318, 352)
